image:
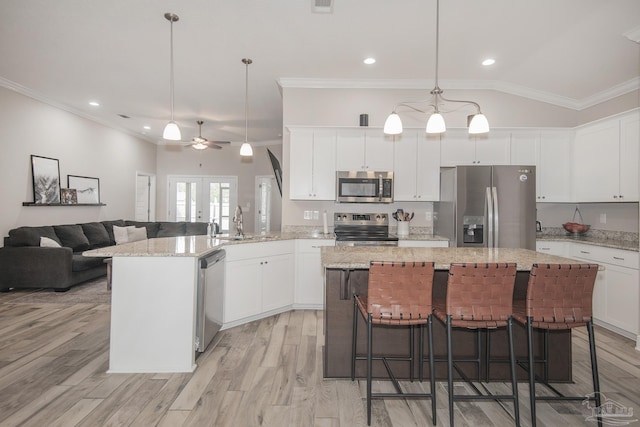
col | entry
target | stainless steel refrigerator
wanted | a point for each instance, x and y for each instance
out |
(487, 206)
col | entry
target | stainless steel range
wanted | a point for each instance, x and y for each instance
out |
(358, 229)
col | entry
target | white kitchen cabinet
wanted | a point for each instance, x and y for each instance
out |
(550, 152)
(551, 247)
(616, 296)
(606, 159)
(416, 170)
(459, 148)
(312, 169)
(364, 149)
(309, 287)
(259, 278)
(423, 243)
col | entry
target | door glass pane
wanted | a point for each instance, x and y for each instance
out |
(193, 196)
(181, 198)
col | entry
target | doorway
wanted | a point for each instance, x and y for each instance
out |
(202, 199)
(145, 206)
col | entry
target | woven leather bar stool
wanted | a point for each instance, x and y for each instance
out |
(479, 296)
(559, 296)
(399, 294)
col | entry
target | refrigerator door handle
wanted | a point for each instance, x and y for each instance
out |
(489, 209)
(496, 219)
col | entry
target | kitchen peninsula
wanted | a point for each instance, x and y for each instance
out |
(346, 273)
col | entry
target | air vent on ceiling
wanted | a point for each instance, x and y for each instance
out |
(124, 116)
(322, 6)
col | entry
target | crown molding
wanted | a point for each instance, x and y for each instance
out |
(425, 84)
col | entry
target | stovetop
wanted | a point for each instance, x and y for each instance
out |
(367, 227)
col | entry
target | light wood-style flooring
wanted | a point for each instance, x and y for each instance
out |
(53, 359)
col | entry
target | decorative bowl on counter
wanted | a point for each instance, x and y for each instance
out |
(575, 228)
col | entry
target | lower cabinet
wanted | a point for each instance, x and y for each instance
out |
(309, 287)
(259, 278)
(551, 247)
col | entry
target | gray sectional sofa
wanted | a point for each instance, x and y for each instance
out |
(26, 264)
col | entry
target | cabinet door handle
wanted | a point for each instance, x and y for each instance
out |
(545, 249)
(618, 258)
(584, 252)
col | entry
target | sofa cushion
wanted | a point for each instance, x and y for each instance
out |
(46, 242)
(196, 228)
(108, 225)
(152, 227)
(121, 234)
(171, 229)
(72, 237)
(82, 263)
(30, 236)
(96, 234)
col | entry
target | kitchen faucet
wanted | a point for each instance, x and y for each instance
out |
(237, 220)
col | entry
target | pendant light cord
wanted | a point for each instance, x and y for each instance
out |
(171, 72)
(246, 62)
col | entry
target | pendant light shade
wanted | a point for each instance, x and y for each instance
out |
(479, 124)
(393, 124)
(245, 149)
(171, 130)
(435, 123)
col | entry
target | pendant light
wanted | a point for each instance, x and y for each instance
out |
(171, 130)
(245, 148)
(435, 123)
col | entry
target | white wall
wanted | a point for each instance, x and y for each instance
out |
(82, 147)
(177, 160)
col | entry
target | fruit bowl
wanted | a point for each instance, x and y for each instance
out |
(576, 228)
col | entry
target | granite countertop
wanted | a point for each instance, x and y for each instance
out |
(193, 246)
(344, 257)
(423, 237)
(606, 240)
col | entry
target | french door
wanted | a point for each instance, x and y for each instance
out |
(203, 199)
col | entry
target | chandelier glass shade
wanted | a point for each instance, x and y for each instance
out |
(435, 123)
(171, 130)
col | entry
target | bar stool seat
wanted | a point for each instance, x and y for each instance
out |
(559, 296)
(479, 296)
(399, 294)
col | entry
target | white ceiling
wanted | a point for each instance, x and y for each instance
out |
(572, 53)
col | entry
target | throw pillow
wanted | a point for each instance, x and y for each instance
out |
(72, 237)
(136, 233)
(97, 234)
(46, 242)
(121, 234)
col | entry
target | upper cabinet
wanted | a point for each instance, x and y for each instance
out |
(416, 171)
(606, 160)
(364, 149)
(549, 151)
(312, 165)
(460, 148)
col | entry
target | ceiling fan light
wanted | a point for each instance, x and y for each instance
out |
(246, 150)
(479, 124)
(172, 132)
(393, 125)
(199, 145)
(435, 124)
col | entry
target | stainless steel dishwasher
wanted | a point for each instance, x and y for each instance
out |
(210, 299)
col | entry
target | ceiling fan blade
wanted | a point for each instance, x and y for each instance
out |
(220, 142)
(215, 146)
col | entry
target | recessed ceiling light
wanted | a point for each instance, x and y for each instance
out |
(488, 61)
(94, 104)
(369, 61)
(147, 127)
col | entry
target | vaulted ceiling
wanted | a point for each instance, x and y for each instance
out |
(572, 53)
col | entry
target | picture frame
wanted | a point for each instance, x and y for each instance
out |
(45, 173)
(87, 188)
(68, 196)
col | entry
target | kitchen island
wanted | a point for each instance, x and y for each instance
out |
(346, 273)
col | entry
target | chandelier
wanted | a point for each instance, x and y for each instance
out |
(435, 124)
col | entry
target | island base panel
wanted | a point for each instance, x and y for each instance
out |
(394, 341)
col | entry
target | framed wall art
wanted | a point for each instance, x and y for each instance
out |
(46, 180)
(68, 196)
(87, 188)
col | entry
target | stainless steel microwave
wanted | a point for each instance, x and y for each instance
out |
(364, 187)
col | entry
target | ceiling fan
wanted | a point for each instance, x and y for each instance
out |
(201, 143)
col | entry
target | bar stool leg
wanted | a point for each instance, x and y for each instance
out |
(411, 351)
(450, 370)
(432, 374)
(532, 372)
(594, 367)
(369, 367)
(514, 380)
(354, 339)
